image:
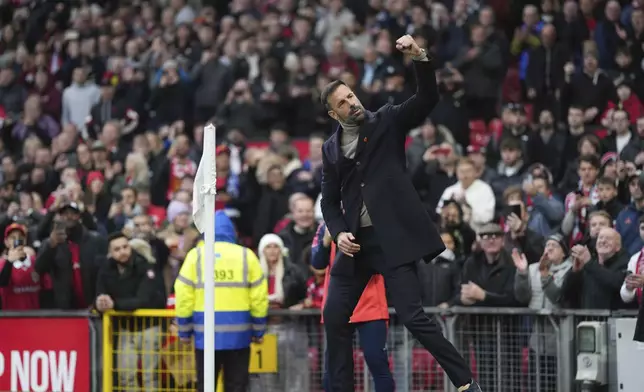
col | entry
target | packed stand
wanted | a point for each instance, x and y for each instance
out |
(530, 163)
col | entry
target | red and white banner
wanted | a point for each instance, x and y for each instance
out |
(44, 355)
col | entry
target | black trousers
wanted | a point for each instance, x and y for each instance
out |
(234, 364)
(403, 284)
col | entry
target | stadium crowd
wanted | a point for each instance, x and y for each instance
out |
(530, 163)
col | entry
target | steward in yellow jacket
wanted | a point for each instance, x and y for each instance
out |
(241, 292)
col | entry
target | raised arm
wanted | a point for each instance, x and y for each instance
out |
(416, 109)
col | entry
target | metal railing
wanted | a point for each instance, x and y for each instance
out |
(514, 350)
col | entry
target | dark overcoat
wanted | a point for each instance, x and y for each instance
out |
(379, 177)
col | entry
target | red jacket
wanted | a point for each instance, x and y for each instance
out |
(373, 302)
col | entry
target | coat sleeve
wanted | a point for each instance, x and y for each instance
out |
(45, 258)
(332, 199)
(258, 294)
(551, 289)
(415, 110)
(184, 294)
(319, 253)
(522, 287)
(626, 294)
(5, 272)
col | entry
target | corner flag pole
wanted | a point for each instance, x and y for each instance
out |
(210, 190)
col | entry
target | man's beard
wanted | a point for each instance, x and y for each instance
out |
(354, 120)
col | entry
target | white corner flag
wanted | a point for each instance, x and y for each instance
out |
(203, 213)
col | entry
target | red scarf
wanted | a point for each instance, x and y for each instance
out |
(639, 269)
(77, 278)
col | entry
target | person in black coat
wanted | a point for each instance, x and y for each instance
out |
(488, 281)
(70, 256)
(378, 220)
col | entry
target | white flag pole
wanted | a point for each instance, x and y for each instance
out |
(209, 190)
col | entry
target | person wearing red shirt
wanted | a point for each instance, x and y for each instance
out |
(370, 316)
(19, 283)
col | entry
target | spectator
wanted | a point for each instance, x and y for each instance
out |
(78, 100)
(20, 285)
(579, 203)
(607, 195)
(632, 287)
(544, 209)
(624, 223)
(472, 191)
(441, 278)
(594, 282)
(70, 255)
(481, 66)
(483, 287)
(299, 234)
(538, 284)
(127, 281)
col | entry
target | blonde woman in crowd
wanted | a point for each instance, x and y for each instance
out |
(286, 287)
(137, 173)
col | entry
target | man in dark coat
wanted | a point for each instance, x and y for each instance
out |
(378, 220)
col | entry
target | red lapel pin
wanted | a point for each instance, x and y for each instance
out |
(364, 140)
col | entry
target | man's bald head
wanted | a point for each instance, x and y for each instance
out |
(609, 242)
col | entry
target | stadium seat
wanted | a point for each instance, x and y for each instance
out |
(495, 129)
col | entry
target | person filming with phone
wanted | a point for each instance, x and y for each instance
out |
(70, 255)
(20, 284)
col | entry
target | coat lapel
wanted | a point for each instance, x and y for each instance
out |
(366, 131)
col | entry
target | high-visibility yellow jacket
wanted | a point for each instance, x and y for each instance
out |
(241, 293)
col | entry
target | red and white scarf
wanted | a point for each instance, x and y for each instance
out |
(639, 269)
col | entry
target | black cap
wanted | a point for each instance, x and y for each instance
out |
(70, 206)
(561, 241)
(490, 228)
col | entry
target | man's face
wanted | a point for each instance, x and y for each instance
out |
(606, 192)
(70, 217)
(465, 173)
(590, 64)
(8, 166)
(554, 251)
(607, 242)
(303, 213)
(642, 231)
(587, 173)
(597, 223)
(640, 126)
(620, 122)
(492, 243)
(345, 106)
(128, 197)
(510, 156)
(275, 178)
(450, 215)
(142, 226)
(575, 118)
(120, 250)
(143, 199)
(545, 119)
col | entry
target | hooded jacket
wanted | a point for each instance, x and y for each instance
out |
(241, 293)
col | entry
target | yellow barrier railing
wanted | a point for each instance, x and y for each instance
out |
(142, 352)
